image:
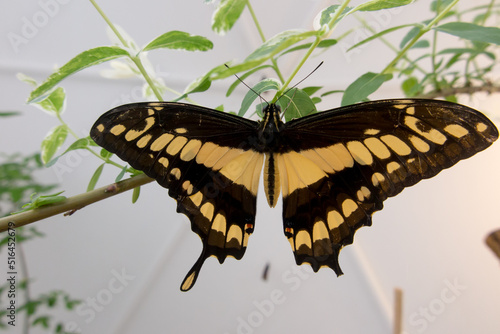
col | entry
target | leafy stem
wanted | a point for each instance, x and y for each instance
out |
(422, 31)
(263, 38)
(135, 58)
(331, 25)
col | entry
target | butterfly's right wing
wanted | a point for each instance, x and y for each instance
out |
(340, 165)
(203, 157)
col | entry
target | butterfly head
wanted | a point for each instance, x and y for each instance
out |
(270, 127)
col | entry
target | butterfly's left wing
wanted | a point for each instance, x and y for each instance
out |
(338, 166)
(205, 159)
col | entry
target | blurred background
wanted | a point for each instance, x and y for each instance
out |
(126, 262)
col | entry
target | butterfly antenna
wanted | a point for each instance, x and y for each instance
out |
(243, 82)
(298, 83)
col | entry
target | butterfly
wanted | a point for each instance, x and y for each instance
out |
(333, 169)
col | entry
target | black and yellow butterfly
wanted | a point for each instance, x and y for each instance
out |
(334, 168)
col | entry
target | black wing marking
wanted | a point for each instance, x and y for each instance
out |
(342, 164)
(203, 157)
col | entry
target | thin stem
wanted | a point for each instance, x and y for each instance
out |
(331, 24)
(108, 21)
(297, 68)
(388, 44)
(433, 60)
(256, 21)
(468, 90)
(135, 58)
(263, 38)
(138, 63)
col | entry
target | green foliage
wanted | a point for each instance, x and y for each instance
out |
(17, 181)
(53, 141)
(472, 32)
(428, 72)
(17, 184)
(422, 66)
(363, 86)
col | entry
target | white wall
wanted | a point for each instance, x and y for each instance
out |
(428, 241)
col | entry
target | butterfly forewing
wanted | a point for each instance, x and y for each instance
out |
(359, 155)
(202, 156)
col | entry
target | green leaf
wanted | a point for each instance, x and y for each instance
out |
(24, 78)
(199, 86)
(438, 5)
(226, 15)
(95, 177)
(180, 40)
(379, 34)
(277, 43)
(263, 86)
(203, 82)
(54, 103)
(311, 90)
(316, 100)
(421, 44)
(52, 142)
(296, 104)
(326, 15)
(120, 176)
(42, 321)
(105, 154)
(336, 91)
(411, 86)
(471, 31)
(375, 5)
(52, 299)
(135, 194)
(326, 43)
(83, 60)
(81, 143)
(410, 35)
(71, 303)
(39, 201)
(472, 51)
(363, 86)
(59, 328)
(9, 113)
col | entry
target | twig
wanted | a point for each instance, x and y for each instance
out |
(73, 203)
(493, 241)
(469, 90)
(398, 311)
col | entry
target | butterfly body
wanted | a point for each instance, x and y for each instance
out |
(333, 169)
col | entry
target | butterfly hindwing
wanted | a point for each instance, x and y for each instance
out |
(357, 156)
(203, 157)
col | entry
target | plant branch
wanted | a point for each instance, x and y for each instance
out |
(469, 90)
(74, 203)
